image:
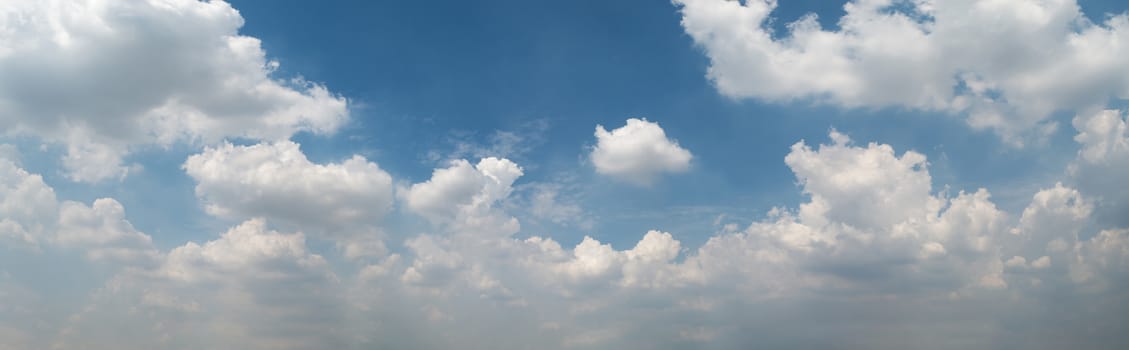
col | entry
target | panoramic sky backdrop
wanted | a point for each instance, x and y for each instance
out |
(581, 174)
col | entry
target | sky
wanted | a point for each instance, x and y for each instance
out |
(686, 174)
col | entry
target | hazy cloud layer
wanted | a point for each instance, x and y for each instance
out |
(958, 259)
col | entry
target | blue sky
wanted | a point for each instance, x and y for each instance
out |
(574, 174)
(428, 71)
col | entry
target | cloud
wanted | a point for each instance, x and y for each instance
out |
(1005, 65)
(32, 217)
(876, 255)
(276, 181)
(871, 225)
(873, 178)
(250, 288)
(1103, 162)
(105, 77)
(638, 152)
(102, 231)
(905, 251)
(28, 206)
(909, 258)
(464, 197)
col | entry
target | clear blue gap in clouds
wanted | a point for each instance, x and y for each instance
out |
(418, 71)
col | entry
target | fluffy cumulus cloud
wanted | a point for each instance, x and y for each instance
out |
(102, 231)
(465, 197)
(1007, 65)
(638, 152)
(27, 204)
(276, 181)
(31, 217)
(872, 224)
(102, 77)
(1103, 163)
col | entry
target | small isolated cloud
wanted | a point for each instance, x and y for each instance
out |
(1006, 65)
(638, 152)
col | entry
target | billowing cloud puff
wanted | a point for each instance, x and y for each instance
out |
(31, 216)
(276, 181)
(872, 224)
(1103, 163)
(638, 152)
(101, 77)
(1007, 65)
(102, 231)
(27, 205)
(464, 197)
(862, 181)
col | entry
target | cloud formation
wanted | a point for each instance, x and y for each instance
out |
(1006, 65)
(476, 280)
(344, 202)
(875, 255)
(638, 152)
(1102, 162)
(250, 288)
(103, 77)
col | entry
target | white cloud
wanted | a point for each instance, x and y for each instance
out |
(1104, 260)
(905, 245)
(464, 197)
(102, 77)
(850, 184)
(1007, 65)
(1052, 222)
(28, 208)
(102, 231)
(871, 224)
(1103, 163)
(638, 152)
(31, 216)
(871, 257)
(250, 288)
(276, 181)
